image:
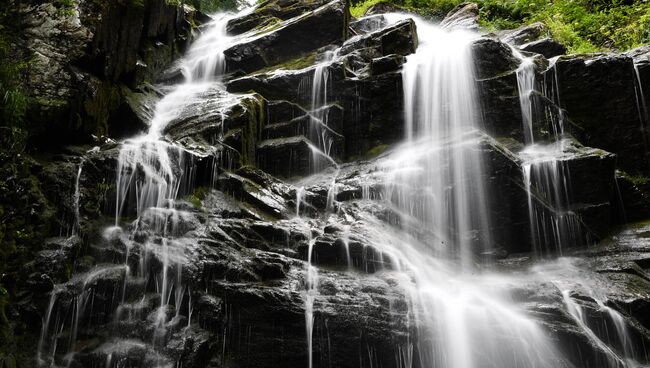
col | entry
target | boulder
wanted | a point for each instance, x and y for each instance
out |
(523, 34)
(546, 46)
(462, 16)
(492, 58)
(291, 38)
(368, 24)
(270, 11)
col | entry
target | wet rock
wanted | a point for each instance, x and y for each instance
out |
(272, 11)
(289, 157)
(599, 96)
(632, 198)
(84, 53)
(492, 58)
(386, 64)
(279, 111)
(462, 16)
(291, 38)
(368, 24)
(523, 34)
(400, 38)
(546, 46)
(641, 59)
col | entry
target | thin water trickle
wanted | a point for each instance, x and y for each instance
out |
(526, 85)
(575, 284)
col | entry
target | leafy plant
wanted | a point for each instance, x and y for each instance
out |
(581, 25)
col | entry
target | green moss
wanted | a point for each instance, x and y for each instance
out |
(255, 107)
(298, 63)
(107, 98)
(197, 197)
(638, 179)
(377, 150)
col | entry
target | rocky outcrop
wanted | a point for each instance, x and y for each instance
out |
(598, 93)
(258, 197)
(269, 12)
(546, 46)
(523, 34)
(463, 16)
(87, 58)
(283, 41)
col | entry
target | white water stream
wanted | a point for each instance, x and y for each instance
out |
(464, 317)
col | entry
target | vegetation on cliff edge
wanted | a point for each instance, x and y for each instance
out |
(581, 25)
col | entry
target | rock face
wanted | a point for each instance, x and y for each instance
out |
(283, 41)
(463, 16)
(284, 174)
(599, 95)
(87, 59)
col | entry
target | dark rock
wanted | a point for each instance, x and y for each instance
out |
(290, 157)
(633, 199)
(253, 193)
(462, 16)
(291, 38)
(492, 58)
(85, 54)
(236, 121)
(641, 59)
(386, 64)
(598, 93)
(270, 11)
(399, 38)
(279, 111)
(546, 46)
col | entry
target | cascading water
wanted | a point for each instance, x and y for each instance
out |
(437, 177)
(460, 315)
(553, 225)
(644, 114)
(614, 343)
(151, 175)
(464, 318)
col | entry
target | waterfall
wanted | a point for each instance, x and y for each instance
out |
(526, 86)
(464, 318)
(437, 176)
(568, 278)
(151, 174)
(545, 171)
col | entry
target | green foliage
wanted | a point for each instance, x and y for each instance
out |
(197, 197)
(213, 6)
(581, 25)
